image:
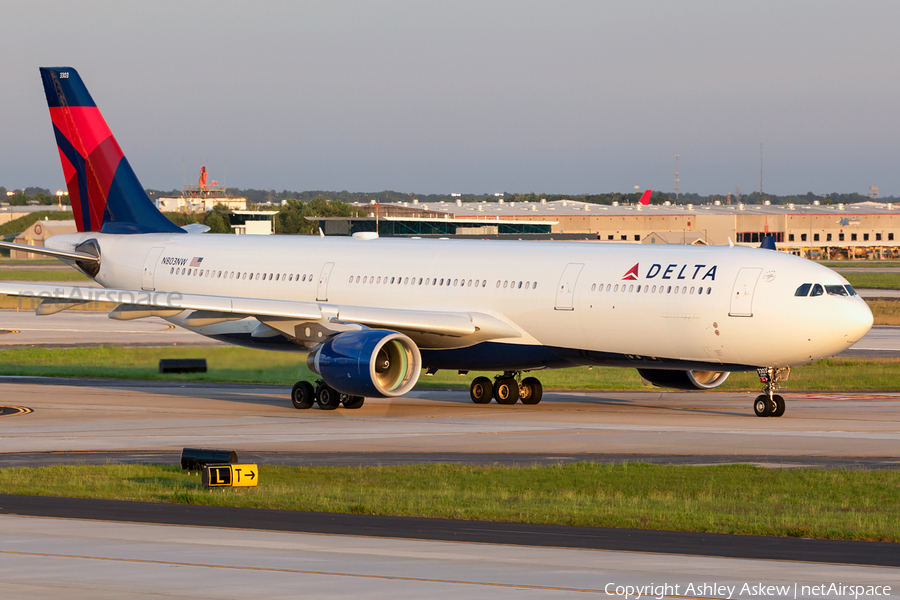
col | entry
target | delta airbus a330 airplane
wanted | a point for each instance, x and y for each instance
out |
(372, 313)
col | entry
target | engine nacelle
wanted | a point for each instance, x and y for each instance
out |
(684, 380)
(375, 363)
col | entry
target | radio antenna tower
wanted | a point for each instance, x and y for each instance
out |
(760, 170)
(676, 178)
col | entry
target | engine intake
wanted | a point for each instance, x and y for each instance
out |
(375, 363)
(684, 380)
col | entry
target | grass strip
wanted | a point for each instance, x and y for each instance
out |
(874, 281)
(866, 264)
(739, 499)
(42, 275)
(230, 364)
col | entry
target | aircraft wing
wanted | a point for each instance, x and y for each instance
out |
(208, 310)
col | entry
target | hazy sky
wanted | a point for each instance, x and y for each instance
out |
(472, 97)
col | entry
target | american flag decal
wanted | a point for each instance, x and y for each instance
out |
(195, 262)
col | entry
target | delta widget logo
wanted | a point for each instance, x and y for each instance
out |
(632, 273)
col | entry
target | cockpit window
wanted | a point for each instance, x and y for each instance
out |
(803, 290)
(850, 289)
(836, 290)
(817, 290)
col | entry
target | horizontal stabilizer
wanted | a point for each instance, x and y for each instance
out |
(71, 255)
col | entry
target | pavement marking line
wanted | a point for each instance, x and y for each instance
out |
(326, 573)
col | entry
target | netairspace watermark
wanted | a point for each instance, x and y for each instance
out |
(85, 295)
(746, 590)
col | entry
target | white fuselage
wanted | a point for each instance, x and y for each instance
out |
(635, 304)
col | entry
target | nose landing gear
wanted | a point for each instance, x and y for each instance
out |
(506, 389)
(770, 404)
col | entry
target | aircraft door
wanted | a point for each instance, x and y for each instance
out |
(322, 294)
(565, 291)
(150, 269)
(742, 294)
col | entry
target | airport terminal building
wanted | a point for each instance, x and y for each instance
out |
(827, 231)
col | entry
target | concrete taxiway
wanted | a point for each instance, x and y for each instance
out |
(84, 328)
(79, 415)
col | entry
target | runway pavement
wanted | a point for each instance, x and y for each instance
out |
(51, 557)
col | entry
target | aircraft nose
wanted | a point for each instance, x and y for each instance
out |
(856, 320)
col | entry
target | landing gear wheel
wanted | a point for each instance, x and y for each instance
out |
(327, 397)
(303, 395)
(353, 401)
(481, 391)
(507, 391)
(762, 406)
(779, 406)
(530, 390)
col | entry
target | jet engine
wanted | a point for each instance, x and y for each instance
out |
(375, 363)
(684, 380)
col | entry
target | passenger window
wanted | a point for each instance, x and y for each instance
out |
(708, 291)
(505, 283)
(692, 289)
(616, 289)
(676, 289)
(527, 284)
(817, 290)
(477, 282)
(669, 290)
(594, 288)
(406, 280)
(630, 288)
(803, 290)
(699, 291)
(520, 285)
(498, 284)
(484, 283)
(836, 290)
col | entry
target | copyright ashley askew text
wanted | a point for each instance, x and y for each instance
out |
(747, 590)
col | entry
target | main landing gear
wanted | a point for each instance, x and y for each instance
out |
(506, 389)
(304, 395)
(770, 404)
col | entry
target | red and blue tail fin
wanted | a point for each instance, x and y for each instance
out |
(105, 193)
